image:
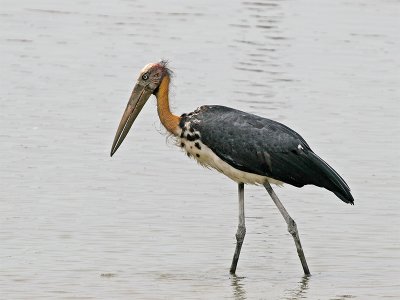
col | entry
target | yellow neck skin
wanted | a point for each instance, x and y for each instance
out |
(167, 118)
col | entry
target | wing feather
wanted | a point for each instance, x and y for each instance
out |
(265, 147)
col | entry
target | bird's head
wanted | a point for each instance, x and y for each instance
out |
(148, 83)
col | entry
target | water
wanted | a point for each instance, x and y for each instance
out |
(151, 224)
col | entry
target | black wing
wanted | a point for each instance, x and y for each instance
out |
(261, 146)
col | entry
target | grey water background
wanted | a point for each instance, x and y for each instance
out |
(150, 223)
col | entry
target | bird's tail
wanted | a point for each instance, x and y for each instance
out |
(331, 180)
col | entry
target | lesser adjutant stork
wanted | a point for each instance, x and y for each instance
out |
(245, 147)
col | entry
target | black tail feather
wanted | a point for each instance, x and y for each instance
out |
(331, 180)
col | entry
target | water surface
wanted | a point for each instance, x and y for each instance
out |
(151, 224)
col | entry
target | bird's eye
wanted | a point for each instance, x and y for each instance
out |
(145, 76)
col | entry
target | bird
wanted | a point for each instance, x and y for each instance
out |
(247, 148)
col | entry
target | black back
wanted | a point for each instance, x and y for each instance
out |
(265, 147)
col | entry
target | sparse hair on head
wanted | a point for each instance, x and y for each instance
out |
(164, 63)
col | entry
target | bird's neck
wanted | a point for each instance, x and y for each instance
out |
(167, 118)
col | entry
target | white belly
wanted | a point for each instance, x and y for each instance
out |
(207, 158)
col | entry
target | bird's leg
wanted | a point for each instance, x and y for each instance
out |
(292, 227)
(241, 231)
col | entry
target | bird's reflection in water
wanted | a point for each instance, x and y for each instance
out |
(301, 291)
(239, 293)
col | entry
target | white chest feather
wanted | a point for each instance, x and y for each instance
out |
(191, 143)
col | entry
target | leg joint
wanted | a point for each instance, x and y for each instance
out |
(240, 233)
(292, 227)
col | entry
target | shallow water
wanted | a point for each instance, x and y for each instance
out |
(151, 224)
